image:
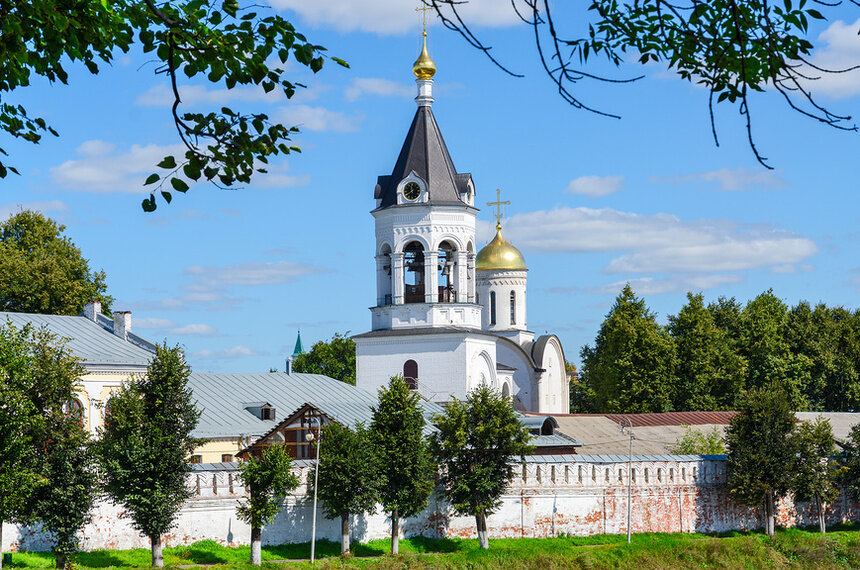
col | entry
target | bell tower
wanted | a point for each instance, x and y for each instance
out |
(425, 227)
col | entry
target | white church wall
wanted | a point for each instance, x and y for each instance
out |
(523, 385)
(444, 360)
(576, 495)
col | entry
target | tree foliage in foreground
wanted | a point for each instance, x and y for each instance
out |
(697, 442)
(761, 450)
(405, 466)
(269, 479)
(334, 358)
(146, 444)
(222, 41)
(732, 49)
(817, 469)
(42, 271)
(349, 481)
(476, 446)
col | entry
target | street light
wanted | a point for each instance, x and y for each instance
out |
(629, 428)
(310, 438)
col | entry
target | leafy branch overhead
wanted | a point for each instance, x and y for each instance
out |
(226, 43)
(731, 47)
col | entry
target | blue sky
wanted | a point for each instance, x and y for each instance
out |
(596, 202)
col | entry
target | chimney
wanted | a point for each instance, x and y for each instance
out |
(122, 324)
(92, 310)
(289, 369)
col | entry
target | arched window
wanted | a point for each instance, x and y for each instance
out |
(446, 265)
(492, 307)
(410, 374)
(506, 392)
(513, 307)
(75, 409)
(413, 272)
(108, 406)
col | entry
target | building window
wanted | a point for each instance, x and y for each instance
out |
(226, 458)
(413, 273)
(492, 307)
(75, 409)
(410, 374)
(196, 459)
(513, 307)
(267, 413)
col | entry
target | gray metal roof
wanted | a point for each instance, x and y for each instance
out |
(425, 153)
(554, 440)
(840, 422)
(222, 399)
(91, 341)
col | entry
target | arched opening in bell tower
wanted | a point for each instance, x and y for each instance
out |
(446, 268)
(413, 272)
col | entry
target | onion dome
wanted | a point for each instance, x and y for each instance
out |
(499, 254)
(424, 67)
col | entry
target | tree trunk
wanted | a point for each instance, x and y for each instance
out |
(395, 533)
(481, 522)
(157, 557)
(344, 533)
(256, 545)
(768, 513)
(1, 545)
(821, 525)
(61, 559)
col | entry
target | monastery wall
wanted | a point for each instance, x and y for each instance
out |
(575, 495)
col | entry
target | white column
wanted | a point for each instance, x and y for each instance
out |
(431, 277)
(397, 278)
(461, 283)
(470, 277)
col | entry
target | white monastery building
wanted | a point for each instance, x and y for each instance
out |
(446, 318)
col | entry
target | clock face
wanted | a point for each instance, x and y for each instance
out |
(411, 191)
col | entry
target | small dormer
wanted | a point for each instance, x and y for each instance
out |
(263, 410)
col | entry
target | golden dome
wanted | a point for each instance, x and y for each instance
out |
(424, 68)
(499, 254)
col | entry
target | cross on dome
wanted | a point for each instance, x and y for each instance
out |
(498, 204)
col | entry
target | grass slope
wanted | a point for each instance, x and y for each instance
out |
(791, 548)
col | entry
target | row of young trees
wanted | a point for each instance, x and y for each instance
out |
(52, 471)
(770, 454)
(708, 354)
(392, 463)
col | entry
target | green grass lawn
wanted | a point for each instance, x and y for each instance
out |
(793, 548)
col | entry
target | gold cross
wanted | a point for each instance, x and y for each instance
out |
(498, 204)
(424, 7)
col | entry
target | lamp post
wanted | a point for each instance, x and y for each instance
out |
(629, 428)
(310, 438)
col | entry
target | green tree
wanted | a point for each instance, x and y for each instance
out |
(18, 473)
(731, 49)
(146, 444)
(761, 450)
(764, 344)
(816, 468)
(41, 270)
(349, 480)
(696, 442)
(405, 466)
(335, 358)
(710, 373)
(220, 40)
(269, 478)
(476, 446)
(631, 368)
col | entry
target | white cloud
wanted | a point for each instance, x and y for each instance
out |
(595, 186)
(730, 179)
(656, 243)
(387, 17)
(278, 177)
(102, 169)
(152, 323)
(840, 50)
(316, 118)
(206, 300)
(238, 351)
(376, 86)
(162, 96)
(195, 329)
(205, 278)
(8, 210)
(674, 284)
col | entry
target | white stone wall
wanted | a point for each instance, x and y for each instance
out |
(444, 361)
(577, 495)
